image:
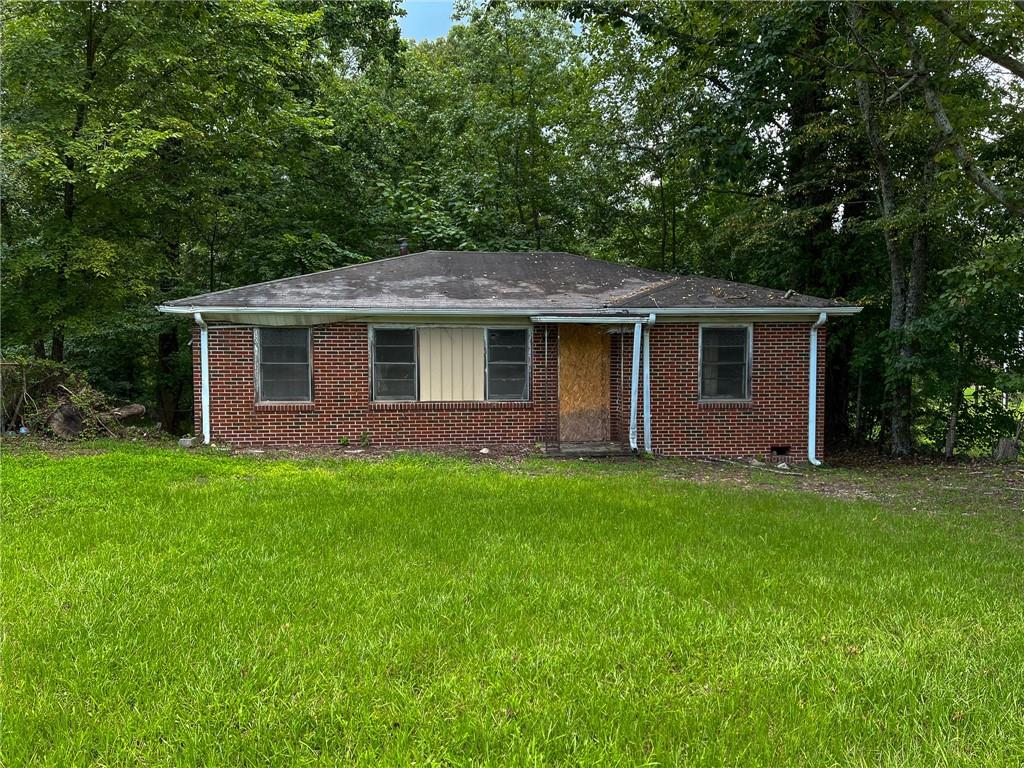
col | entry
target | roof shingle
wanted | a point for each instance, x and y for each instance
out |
(482, 280)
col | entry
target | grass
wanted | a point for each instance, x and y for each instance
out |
(163, 607)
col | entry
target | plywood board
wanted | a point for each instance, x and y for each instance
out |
(584, 378)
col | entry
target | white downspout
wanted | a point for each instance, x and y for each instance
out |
(634, 384)
(647, 383)
(812, 393)
(204, 374)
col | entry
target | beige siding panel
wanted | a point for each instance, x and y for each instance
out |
(451, 363)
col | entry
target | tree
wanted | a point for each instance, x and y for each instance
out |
(144, 139)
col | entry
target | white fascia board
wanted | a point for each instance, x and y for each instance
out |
(624, 314)
(589, 319)
(348, 311)
(750, 311)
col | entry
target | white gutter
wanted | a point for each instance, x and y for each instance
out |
(634, 384)
(584, 320)
(812, 393)
(204, 373)
(647, 382)
(625, 314)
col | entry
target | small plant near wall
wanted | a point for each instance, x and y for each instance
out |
(343, 442)
(364, 439)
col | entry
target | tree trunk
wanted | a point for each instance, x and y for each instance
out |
(69, 191)
(169, 386)
(907, 289)
(858, 425)
(57, 344)
(808, 189)
(837, 389)
(664, 220)
(81, 111)
(900, 385)
(675, 211)
(954, 416)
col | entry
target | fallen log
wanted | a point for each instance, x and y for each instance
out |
(127, 411)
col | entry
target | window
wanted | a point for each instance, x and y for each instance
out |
(283, 365)
(508, 364)
(394, 363)
(450, 364)
(725, 354)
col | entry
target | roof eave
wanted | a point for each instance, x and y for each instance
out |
(838, 311)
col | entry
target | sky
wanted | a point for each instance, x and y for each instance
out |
(426, 19)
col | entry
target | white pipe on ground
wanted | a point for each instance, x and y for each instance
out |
(647, 383)
(204, 374)
(634, 384)
(812, 393)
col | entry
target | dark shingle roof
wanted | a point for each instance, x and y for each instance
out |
(482, 280)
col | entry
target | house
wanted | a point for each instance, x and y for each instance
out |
(475, 349)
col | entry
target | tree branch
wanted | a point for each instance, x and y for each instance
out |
(933, 104)
(972, 41)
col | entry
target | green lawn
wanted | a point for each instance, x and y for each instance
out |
(164, 607)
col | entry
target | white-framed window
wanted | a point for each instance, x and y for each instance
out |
(394, 358)
(284, 368)
(508, 364)
(725, 359)
(450, 363)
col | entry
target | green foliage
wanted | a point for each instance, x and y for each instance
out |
(158, 150)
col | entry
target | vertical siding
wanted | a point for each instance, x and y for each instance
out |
(451, 364)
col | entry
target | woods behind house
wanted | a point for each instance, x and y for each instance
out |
(869, 151)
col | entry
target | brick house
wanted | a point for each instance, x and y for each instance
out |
(484, 349)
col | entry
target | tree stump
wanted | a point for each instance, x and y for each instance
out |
(66, 421)
(1006, 449)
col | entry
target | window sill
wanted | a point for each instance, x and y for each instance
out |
(452, 405)
(285, 407)
(726, 405)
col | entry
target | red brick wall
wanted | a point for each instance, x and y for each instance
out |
(681, 425)
(342, 408)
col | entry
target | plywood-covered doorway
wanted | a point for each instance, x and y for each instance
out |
(584, 379)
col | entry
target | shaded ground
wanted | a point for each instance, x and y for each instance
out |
(919, 485)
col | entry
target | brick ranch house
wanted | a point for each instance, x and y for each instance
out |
(473, 349)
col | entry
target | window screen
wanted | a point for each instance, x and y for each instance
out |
(725, 364)
(394, 364)
(508, 364)
(284, 366)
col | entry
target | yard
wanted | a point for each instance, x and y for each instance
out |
(166, 607)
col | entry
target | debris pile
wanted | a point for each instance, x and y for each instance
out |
(44, 397)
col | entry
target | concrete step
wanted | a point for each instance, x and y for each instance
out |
(589, 450)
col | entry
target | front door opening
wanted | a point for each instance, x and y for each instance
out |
(584, 378)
